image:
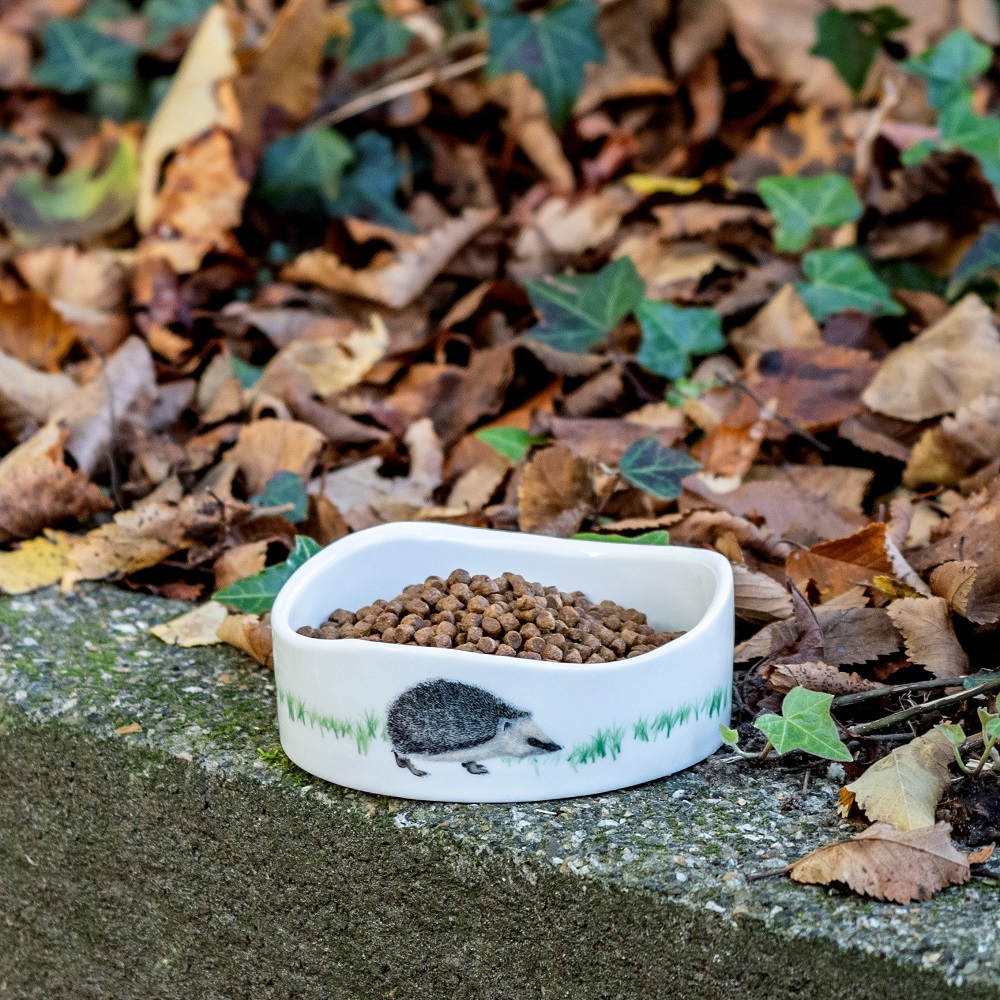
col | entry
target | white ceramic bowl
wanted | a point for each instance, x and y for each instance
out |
(372, 716)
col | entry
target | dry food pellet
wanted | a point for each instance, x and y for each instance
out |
(500, 616)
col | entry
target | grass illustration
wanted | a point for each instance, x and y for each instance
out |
(365, 730)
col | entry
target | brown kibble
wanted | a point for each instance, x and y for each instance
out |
(510, 621)
(458, 576)
(461, 592)
(556, 639)
(424, 636)
(514, 639)
(475, 633)
(504, 650)
(530, 631)
(573, 656)
(594, 658)
(524, 655)
(607, 654)
(446, 628)
(328, 630)
(478, 604)
(545, 621)
(491, 626)
(613, 622)
(416, 606)
(448, 603)
(386, 621)
(496, 610)
(487, 645)
(638, 651)
(535, 644)
(467, 647)
(442, 641)
(604, 634)
(630, 638)
(478, 583)
(552, 653)
(432, 595)
(309, 632)
(618, 646)
(404, 633)
(342, 617)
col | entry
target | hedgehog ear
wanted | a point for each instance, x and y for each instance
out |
(507, 724)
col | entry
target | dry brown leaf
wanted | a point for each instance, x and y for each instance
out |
(856, 635)
(111, 408)
(37, 563)
(251, 635)
(33, 331)
(476, 486)
(889, 864)
(29, 397)
(199, 204)
(394, 280)
(816, 677)
(600, 439)
(555, 492)
(239, 562)
(905, 787)
(92, 279)
(194, 628)
(527, 123)
(983, 855)
(699, 218)
(783, 322)
(267, 446)
(950, 364)
(759, 598)
(930, 638)
(146, 535)
(129, 729)
(38, 490)
(200, 98)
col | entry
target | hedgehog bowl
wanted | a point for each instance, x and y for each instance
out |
(480, 728)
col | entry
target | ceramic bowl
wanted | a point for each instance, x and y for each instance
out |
(445, 725)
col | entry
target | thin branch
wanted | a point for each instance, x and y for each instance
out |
(737, 383)
(757, 876)
(389, 92)
(993, 684)
(892, 689)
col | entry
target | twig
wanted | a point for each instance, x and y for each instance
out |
(389, 92)
(737, 383)
(891, 689)
(928, 706)
(757, 876)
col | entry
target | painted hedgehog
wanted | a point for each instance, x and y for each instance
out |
(451, 721)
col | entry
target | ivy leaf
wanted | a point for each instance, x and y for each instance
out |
(952, 732)
(981, 259)
(851, 40)
(368, 188)
(646, 538)
(511, 442)
(375, 37)
(671, 334)
(78, 203)
(729, 736)
(303, 171)
(804, 724)
(841, 279)
(990, 724)
(256, 593)
(579, 311)
(800, 204)
(978, 135)
(656, 469)
(550, 47)
(246, 374)
(950, 67)
(908, 275)
(282, 489)
(77, 55)
(166, 16)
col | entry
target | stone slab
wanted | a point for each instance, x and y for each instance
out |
(193, 859)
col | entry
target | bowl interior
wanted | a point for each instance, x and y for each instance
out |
(673, 587)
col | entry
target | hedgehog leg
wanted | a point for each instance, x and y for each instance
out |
(473, 768)
(408, 764)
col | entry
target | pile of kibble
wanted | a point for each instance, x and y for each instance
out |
(505, 616)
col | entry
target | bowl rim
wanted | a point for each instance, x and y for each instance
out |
(320, 563)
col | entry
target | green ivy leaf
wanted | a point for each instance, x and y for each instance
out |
(375, 37)
(256, 593)
(579, 311)
(978, 135)
(953, 733)
(908, 275)
(511, 442)
(804, 724)
(77, 56)
(246, 374)
(646, 538)
(801, 204)
(672, 334)
(656, 469)
(303, 171)
(282, 489)
(550, 47)
(684, 389)
(950, 67)
(990, 723)
(75, 205)
(841, 279)
(980, 260)
(167, 16)
(851, 40)
(729, 736)
(368, 188)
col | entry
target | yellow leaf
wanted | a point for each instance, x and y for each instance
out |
(130, 730)
(651, 184)
(194, 628)
(36, 563)
(250, 634)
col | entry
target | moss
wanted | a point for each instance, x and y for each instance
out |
(281, 762)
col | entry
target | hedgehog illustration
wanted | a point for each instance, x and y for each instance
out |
(449, 720)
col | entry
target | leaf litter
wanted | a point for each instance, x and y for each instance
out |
(270, 276)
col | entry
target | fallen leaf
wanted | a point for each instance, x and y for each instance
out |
(889, 864)
(197, 101)
(950, 364)
(555, 493)
(249, 634)
(905, 787)
(783, 322)
(856, 635)
(759, 598)
(804, 724)
(28, 397)
(255, 594)
(37, 563)
(239, 562)
(38, 490)
(32, 331)
(267, 446)
(983, 855)
(193, 628)
(129, 730)
(816, 676)
(395, 282)
(930, 638)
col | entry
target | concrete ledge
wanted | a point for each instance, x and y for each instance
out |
(192, 859)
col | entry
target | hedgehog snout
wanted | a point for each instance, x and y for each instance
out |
(543, 746)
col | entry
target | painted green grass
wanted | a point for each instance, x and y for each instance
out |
(365, 730)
